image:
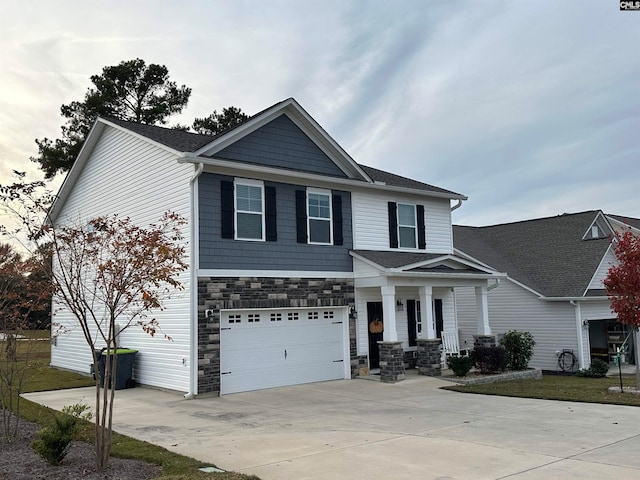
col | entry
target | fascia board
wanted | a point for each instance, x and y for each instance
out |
(76, 169)
(620, 224)
(470, 276)
(239, 168)
(305, 122)
(445, 258)
(92, 138)
(573, 299)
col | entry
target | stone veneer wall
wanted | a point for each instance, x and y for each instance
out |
(216, 293)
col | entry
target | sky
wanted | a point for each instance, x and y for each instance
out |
(529, 108)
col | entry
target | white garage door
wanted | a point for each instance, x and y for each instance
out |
(272, 348)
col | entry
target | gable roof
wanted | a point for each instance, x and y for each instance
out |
(547, 254)
(394, 263)
(204, 146)
(633, 222)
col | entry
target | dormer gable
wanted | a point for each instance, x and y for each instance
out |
(599, 229)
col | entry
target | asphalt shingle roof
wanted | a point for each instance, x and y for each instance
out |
(399, 181)
(546, 254)
(177, 139)
(190, 142)
(634, 222)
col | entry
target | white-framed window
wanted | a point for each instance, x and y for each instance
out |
(319, 221)
(249, 209)
(407, 226)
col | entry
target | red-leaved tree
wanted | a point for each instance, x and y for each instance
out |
(623, 285)
(108, 272)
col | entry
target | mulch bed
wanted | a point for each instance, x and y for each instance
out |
(18, 461)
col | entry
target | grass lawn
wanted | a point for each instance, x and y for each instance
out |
(41, 377)
(559, 387)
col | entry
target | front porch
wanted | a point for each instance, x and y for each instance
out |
(394, 329)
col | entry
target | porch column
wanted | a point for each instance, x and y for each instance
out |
(482, 311)
(426, 311)
(390, 333)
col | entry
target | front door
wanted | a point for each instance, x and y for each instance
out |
(437, 313)
(376, 327)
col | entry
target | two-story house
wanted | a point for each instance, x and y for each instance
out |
(303, 264)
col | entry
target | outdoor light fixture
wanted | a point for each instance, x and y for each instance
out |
(399, 305)
(353, 315)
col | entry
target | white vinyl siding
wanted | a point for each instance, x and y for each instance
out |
(607, 261)
(512, 307)
(249, 210)
(371, 221)
(130, 177)
(598, 310)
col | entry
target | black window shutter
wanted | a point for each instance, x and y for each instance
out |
(393, 225)
(336, 207)
(270, 211)
(301, 216)
(422, 243)
(226, 203)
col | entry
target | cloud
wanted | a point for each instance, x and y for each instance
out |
(529, 108)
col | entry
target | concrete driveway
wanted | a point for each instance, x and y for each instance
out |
(359, 429)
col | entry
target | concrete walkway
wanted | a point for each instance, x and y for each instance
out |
(358, 429)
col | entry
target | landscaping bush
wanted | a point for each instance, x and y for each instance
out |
(518, 348)
(460, 365)
(55, 440)
(598, 369)
(489, 359)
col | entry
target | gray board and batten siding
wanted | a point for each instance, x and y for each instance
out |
(285, 253)
(281, 144)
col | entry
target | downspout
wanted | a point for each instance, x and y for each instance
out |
(495, 285)
(458, 205)
(579, 332)
(193, 331)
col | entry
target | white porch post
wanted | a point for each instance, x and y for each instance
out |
(426, 311)
(390, 333)
(482, 311)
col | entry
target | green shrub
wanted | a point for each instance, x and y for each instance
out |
(489, 359)
(598, 369)
(518, 348)
(55, 439)
(460, 365)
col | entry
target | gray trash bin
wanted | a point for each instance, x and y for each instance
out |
(124, 373)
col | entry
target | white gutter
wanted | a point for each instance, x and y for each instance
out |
(579, 332)
(193, 331)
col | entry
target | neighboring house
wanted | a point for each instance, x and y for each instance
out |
(300, 261)
(554, 289)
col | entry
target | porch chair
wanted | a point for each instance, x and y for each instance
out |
(450, 346)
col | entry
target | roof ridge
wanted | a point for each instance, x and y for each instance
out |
(530, 220)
